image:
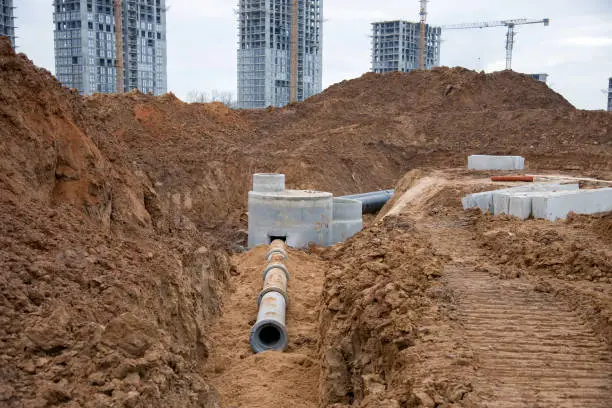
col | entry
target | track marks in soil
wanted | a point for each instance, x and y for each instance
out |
(531, 349)
(506, 344)
(288, 379)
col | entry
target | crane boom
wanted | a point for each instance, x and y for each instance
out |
(502, 23)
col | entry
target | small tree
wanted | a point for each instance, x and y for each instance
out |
(224, 97)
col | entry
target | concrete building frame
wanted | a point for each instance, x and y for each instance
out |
(264, 48)
(395, 46)
(85, 48)
(7, 20)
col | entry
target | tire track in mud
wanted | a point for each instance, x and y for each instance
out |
(531, 349)
(527, 347)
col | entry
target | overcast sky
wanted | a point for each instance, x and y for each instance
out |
(575, 50)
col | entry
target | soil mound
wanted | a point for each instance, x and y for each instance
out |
(375, 295)
(445, 89)
(97, 308)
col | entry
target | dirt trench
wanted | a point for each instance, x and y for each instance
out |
(288, 379)
(473, 337)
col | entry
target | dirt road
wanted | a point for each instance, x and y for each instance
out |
(528, 347)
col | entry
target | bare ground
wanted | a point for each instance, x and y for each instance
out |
(419, 310)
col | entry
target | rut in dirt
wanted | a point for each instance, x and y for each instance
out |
(530, 348)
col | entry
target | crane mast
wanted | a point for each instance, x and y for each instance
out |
(119, 44)
(422, 39)
(509, 35)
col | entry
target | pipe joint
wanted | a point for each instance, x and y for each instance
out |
(275, 266)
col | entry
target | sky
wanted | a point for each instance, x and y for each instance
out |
(575, 50)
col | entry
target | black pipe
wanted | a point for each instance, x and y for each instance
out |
(372, 202)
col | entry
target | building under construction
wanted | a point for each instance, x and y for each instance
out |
(85, 45)
(265, 50)
(7, 20)
(540, 77)
(395, 46)
(610, 95)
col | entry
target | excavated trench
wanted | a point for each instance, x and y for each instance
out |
(405, 314)
(245, 379)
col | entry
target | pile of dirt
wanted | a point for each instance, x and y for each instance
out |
(435, 119)
(97, 307)
(569, 251)
(377, 288)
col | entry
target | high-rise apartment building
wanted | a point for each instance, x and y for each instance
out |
(395, 46)
(264, 51)
(540, 77)
(85, 47)
(610, 95)
(7, 20)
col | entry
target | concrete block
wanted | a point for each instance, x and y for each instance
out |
(520, 205)
(268, 182)
(553, 206)
(484, 200)
(501, 198)
(485, 162)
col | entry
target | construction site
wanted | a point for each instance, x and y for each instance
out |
(433, 238)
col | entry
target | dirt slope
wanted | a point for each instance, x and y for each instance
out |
(97, 308)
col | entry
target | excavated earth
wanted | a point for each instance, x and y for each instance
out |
(124, 280)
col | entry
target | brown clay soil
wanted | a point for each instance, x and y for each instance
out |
(124, 281)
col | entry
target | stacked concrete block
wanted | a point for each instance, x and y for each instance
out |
(553, 206)
(485, 162)
(501, 200)
(485, 200)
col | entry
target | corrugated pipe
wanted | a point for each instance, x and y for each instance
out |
(372, 202)
(270, 332)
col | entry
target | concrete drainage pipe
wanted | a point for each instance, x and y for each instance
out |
(372, 202)
(270, 332)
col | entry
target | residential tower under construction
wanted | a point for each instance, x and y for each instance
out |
(395, 46)
(7, 20)
(85, 45)
(264, 51)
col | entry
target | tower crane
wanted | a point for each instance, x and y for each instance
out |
(422, 40)
(509, 36)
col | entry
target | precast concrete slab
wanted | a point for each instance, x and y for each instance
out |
(487, 162)
(501, 198)
(347, 219)
(520, 205)
(484, 200)
(553, 206)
